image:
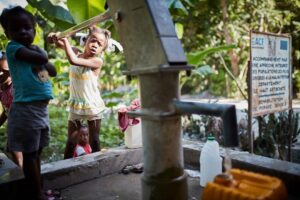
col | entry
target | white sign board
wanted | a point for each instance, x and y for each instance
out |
(270, 73)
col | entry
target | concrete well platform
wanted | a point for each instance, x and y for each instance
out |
(97, 175)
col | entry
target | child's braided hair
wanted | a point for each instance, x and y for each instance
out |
(95, 29)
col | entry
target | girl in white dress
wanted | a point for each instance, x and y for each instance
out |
(85, 101)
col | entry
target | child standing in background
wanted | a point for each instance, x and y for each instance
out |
(83, 147)
(28, 120)
(6, 98)
(85, 101)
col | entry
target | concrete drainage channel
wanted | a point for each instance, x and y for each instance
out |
(99, 172)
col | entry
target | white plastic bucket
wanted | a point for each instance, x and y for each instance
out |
(133, 136)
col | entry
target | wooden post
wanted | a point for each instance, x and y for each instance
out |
(289, 155)
(250, 135)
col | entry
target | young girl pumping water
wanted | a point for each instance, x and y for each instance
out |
(85, 102)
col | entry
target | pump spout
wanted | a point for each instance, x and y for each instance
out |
(226, 111)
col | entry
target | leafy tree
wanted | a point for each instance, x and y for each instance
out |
(209, 24)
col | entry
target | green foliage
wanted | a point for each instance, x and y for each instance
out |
(196, 58)
(3, 138)
(55, 13)
(204, 70)
(273, 139)
(265, 143)
(179, 30)
(220, 88)
(61, 81)
(3, 40)
(177, 5)
(111, 72)
(82, 10)
(58, 123)
(110, 135)
(38, 39)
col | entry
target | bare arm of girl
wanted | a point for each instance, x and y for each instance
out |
(93, 62)
(32, 55)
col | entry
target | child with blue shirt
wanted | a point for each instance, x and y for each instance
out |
(28, 120)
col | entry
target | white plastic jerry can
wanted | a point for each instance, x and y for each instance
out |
(210, 161)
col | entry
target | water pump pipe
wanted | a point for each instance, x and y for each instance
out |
(226, 111)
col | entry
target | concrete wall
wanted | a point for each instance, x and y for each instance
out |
(64, 173)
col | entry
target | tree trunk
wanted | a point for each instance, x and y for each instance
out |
(234, 59)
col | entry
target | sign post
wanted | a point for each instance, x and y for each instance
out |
(269, 76)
